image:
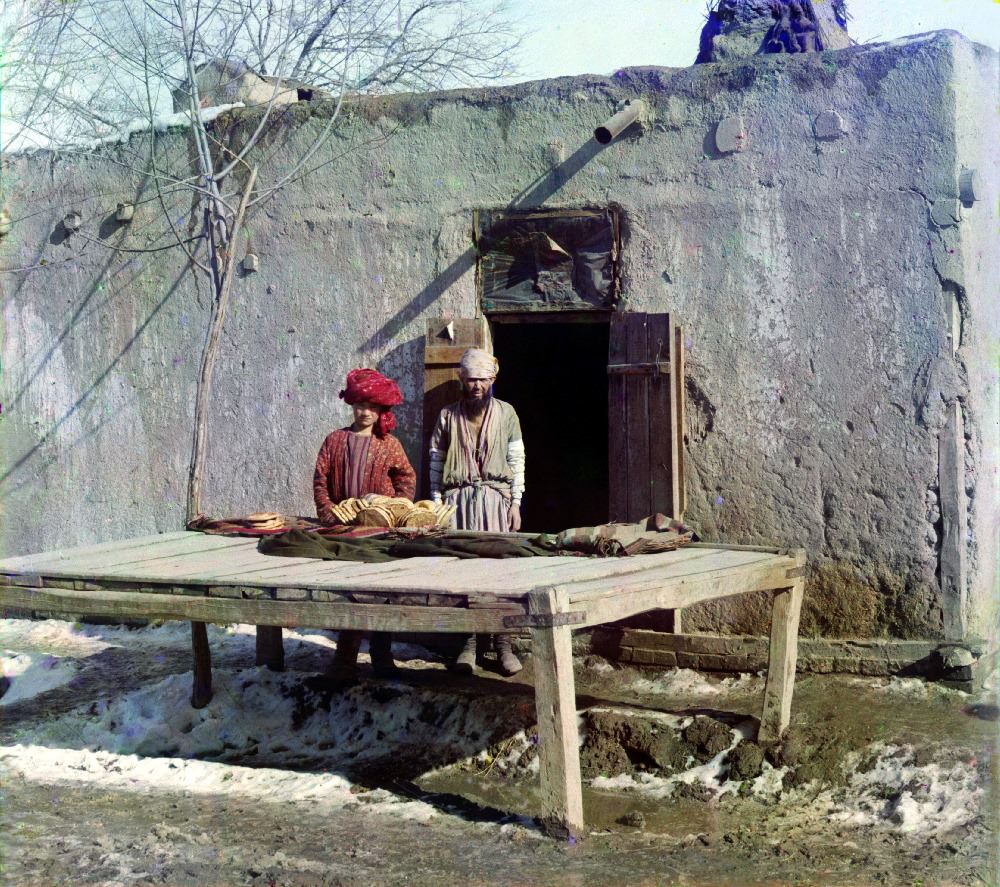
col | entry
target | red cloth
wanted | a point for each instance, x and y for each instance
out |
(387, 472)
(372, 387)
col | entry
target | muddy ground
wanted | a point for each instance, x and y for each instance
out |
(793, 814)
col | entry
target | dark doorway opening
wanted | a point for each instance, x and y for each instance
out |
(555, 376)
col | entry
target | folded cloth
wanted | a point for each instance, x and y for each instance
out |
(647, 536)
(390, 546)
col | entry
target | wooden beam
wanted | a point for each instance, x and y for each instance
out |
(667, 572)
(770, 549)
(781, 660)
(288, 614)
(663, 451)
(201, 684)
(555, 701)
(270, 650)
(954, 520)
(683, 592)
(680, 425)
(654, 368)
(639, 492)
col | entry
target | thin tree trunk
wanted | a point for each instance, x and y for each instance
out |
(220, 305)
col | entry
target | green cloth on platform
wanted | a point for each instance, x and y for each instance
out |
(378, 549)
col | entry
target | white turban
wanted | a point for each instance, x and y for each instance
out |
(478, 364)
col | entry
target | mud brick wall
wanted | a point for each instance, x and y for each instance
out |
(657, 651)
(802, 216)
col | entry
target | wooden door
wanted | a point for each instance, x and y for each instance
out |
(645, 417)
(444, 344)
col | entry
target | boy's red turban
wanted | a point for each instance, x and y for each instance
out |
(372, 387)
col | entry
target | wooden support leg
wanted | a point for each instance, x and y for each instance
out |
(270, 651)
(555, 701)
(781, 662)
(201, 686)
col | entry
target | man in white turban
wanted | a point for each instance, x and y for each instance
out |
(477, 465)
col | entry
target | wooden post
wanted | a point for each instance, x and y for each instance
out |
(270, 651)
(555, 702)
(781, 662)
(954, 517)
(201, 686)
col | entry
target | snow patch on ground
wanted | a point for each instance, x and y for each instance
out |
(30, 674)
(143, 774)
(912, 688)
(275, 717)
(916, 799)
(686, 682)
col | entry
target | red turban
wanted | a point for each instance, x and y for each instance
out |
(372, 387)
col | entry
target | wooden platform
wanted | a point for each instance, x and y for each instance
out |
(202, 578)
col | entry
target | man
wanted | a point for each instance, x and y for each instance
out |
(477, 465)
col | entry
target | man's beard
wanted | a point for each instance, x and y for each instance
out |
(475, 404)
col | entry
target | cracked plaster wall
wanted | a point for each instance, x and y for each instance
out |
(807, 273)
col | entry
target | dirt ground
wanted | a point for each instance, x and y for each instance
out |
(805, 829)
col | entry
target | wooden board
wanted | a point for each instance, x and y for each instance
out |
(663, 432)
(555, 702)
(285, 614)
(782, 656)
(26, 563)
(99, 563)
(681, 591)
(665, 571)
(680, 421)
(637, 440)
(618, 476)
(645, 410)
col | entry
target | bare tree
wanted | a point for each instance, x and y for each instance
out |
(79, 72)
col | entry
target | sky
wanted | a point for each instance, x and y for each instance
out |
(600, 36)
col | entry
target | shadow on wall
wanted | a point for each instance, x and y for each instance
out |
(406, 362)
(422, 300)
(540, 190)
(98, 381)
(532, 196)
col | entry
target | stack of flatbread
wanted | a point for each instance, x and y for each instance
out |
(265, 520)
(347, 511)
(389, 511)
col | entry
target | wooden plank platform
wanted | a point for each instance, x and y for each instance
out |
(201, 578)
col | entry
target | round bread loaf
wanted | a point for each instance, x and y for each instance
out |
(418, 517)
(375, 516)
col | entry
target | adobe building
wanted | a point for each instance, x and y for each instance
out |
(821, 226)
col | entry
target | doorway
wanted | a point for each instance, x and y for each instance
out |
(555, 376)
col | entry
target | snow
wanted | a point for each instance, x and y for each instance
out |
(686, 682)
(915, 799)
(32, 673)
(159, 122)
(276, 737)
(912, 688)
(325, 791)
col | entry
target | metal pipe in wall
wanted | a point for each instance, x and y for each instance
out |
(620, 122)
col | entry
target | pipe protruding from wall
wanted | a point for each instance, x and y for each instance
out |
(621, 121)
